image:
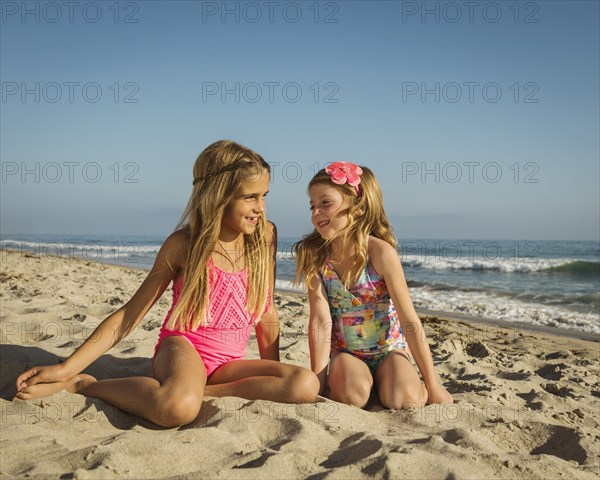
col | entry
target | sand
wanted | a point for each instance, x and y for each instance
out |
(527, 402)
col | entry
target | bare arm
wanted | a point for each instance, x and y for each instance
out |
(319, 331)
(118, 324)
(267, 330)
(386, 261)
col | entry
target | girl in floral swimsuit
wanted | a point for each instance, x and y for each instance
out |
(362, 321)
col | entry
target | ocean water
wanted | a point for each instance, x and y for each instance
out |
(554, 283)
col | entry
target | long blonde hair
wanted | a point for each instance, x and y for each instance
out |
(366, 216)
(218, 173)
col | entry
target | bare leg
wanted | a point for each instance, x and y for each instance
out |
(173, 397)
(350, 380)
(398, 383)
(264, 380)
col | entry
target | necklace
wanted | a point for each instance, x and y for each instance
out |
(238, 260)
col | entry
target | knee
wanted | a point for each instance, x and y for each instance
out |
(303, 386)
(356, 395)
(401, 400)
(179, 409)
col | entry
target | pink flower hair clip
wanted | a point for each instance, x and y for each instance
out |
(342, 172)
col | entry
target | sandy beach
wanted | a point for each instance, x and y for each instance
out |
(527, 401)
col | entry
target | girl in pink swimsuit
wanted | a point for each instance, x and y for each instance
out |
(226, 336)
(221, 261)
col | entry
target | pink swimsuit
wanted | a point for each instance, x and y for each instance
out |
(229, 327)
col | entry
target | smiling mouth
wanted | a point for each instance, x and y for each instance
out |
(322, 223)
(252, 219)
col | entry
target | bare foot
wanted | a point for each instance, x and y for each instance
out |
(425, 395)
(73, 385)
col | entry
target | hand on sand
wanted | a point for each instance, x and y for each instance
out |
(438, 394)
(40, 382)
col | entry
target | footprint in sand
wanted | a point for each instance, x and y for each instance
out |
(292, 429)
(352, 451)
(514, 375)
(562, 442)
(460, 386)
(552, 371)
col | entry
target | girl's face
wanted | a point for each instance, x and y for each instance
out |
(327, 204)
(247, 205)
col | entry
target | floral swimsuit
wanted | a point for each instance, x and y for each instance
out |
(365, 323)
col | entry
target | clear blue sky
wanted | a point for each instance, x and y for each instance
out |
(381, 62)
